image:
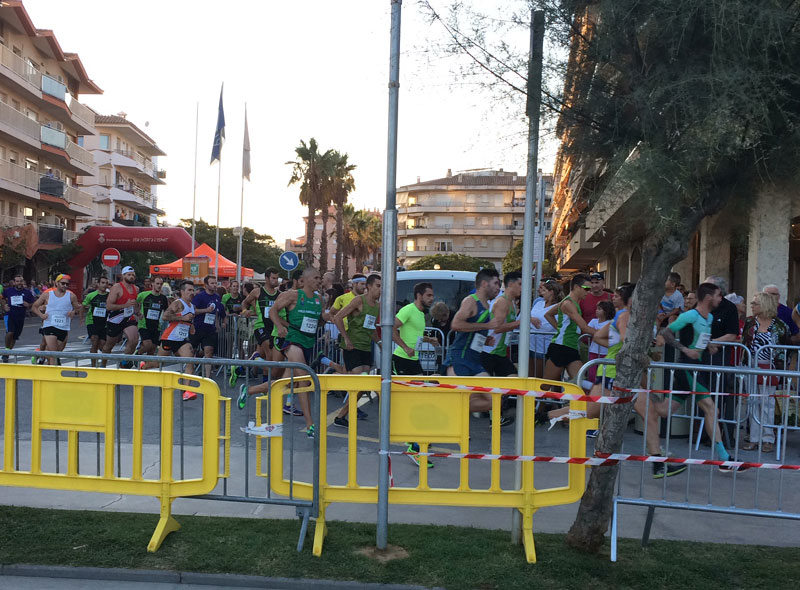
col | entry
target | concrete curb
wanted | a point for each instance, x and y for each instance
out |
(173, 577)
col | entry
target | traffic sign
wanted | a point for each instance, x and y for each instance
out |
(111, 257)
(289, 261)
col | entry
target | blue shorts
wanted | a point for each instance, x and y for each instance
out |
(465, 367)
(609, 382)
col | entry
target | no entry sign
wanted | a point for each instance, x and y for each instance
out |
(111, 257)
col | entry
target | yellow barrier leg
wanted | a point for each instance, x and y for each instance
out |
(166, 525)
(527, 535)
(320, 531)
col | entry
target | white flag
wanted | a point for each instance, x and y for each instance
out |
(246, 150)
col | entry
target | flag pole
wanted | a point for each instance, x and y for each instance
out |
(216, 245)
(194, 191)
(245, 153)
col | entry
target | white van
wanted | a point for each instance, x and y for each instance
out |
(450, 286)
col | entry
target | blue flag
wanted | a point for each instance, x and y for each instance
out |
(219, 134)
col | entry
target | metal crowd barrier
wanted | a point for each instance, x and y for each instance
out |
(131, 398)
(235, 340)
(327, 343)
(754, 492)
(431, 356)
(434, 417)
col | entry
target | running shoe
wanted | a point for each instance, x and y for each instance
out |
(505, 421)
(126, 364)
(189, 396)
(362, 415)
(5, 358)
(233, 378)
(310, 431)
(292, 411)
(413, 453)
(662, 470)
(725, 469)
(241, 401)
(35, 358)
(141, 365)
(314, 364)
(592, 433)
(341, 422)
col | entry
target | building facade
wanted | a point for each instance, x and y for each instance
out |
(124, 188)
(41, 202)
(477, 213)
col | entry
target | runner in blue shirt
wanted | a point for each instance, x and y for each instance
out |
(208, 312)
(18, 300)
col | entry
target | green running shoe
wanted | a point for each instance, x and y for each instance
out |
(233, 378)
(241, 401)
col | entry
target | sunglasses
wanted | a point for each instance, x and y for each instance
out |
(64, 284)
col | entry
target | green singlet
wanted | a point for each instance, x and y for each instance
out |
(304, 319)
(361, 326)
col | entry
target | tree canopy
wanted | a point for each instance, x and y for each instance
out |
(259, 251)
(451, 262)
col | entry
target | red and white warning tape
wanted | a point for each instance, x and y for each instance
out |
(573, 397)
(637, 391)
(600, 459)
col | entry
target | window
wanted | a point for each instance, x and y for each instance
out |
(443, 246)
(469, 243)
(31, 164)
(410, 246)
(443, 220)
(470, 199)
(104, 141)
(3, 97)
(412, 201)
(31, 114)
(484, 221)
(484, 243)
(13, 156)
(80, 140)
(469, 221)
(15, 103)
(119, 145)
(498, 222)
(484, 198)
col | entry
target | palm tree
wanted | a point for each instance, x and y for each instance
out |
(308, 171)
(341, 185)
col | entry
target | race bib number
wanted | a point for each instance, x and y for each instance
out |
(269, 303)
(61, 322)
(181, 332)
(210, 319)
(309, 326)
(16, 300)
(478, 340)
(99, 312)
(153, 314)
(127, 312)
(369, 322)
(702, 341)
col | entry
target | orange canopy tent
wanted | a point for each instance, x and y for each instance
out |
(174, 270)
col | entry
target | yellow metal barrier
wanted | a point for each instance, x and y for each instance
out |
(429, 416)
(83, 400)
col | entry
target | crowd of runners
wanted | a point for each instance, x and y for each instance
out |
(289, 318)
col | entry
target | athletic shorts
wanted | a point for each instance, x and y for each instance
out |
(684, 381)
(282, 344)
(116, 330)
(150, 335)
(496, 365)
(607, 382)
(262, 335)
(173, 345)
(562, 356)
(204, 340)
(464, 367)
(356, 358)
(96, 330)
(14, 326)
(58, 333)
(404, 366)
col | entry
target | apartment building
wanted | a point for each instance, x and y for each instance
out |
(478, 213)
(40, 123)
(124, 188)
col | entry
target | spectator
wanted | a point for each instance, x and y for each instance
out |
(549, 294)
(441, 317)
(596, 294)
(605, 313)
(784, 313)
(672, 302)
(690, 301)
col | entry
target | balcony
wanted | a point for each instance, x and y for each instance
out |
(132, 222)
(16, 69)
(139, 166)
(19, 126)
(53, 137)
(31, 184)
(459, 229)
(82, 115)
(461, 207)
(136, 197)
(54, 88)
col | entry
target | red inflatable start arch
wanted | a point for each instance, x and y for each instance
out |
(142, 239)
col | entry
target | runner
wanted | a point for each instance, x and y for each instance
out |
(152, 304)
(175, 338)
(122, 308)
(566, 318)
(494, 357)
(18, 300)
(297, 333)
(95, 305)
(62, 306)
(258, 302)
(699, 321)
(208, 309)
(363, 313)
(471, 324)
(232, 300)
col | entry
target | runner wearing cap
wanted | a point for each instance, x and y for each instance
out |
(62, 306)
(18, 300)
(122, 309)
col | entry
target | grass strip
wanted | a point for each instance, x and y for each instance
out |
(445, 556)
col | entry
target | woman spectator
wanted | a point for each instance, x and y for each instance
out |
(541, 332)
(762, 329)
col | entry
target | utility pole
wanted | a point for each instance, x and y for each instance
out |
(532, 110)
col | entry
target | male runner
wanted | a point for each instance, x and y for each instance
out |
(18, 300)
(122, 308)
(208, 310)
(96, 312)
(566, 318)
(257, 303)
(699, 320)
(362, 314)
(409, 332)
(62, 306)
(297, 334)
(471, 322)
(175, 338)
(359, 287)
(152, 304)
(494, 357)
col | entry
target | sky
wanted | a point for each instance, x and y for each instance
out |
(305, 68)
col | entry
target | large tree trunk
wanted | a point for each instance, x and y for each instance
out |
(310, 236)
(323, 244)
(594, 514)
(339, 249)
